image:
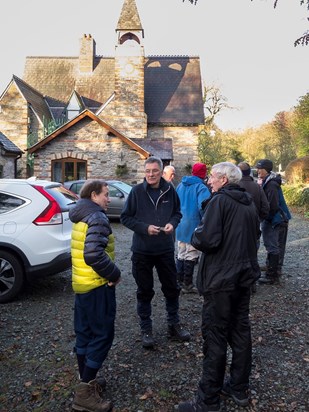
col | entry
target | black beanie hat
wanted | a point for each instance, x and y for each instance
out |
(265, 164)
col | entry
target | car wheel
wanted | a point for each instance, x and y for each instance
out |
(11, 276)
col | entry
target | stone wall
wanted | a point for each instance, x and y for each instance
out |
(14, 122)
(185, 140)
(89, 141)
(8, 167)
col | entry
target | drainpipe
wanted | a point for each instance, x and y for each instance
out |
(15, 165)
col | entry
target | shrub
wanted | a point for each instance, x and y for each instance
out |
(121, 170)
(297, 195)
(297, 171)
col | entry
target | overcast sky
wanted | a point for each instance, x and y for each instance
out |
(246, 47)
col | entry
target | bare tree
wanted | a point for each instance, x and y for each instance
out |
(214, 102)
(303, 40)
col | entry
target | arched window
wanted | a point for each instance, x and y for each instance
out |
(129, 36)
(69, 169)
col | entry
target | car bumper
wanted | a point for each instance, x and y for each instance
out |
(59, 264)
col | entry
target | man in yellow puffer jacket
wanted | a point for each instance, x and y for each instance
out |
(94, 277)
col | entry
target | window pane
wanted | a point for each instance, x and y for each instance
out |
(57, 177)
(68, 171)
(8, 202)
(81, 170)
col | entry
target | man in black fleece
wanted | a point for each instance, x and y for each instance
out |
(152, 211)
(227, 236)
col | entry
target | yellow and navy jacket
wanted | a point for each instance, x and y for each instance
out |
(92, 247)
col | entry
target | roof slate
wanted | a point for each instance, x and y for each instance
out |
(162, 148)
(8, 145)
(35, 99)
(173, 90)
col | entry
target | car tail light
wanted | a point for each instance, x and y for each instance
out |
(51, 215)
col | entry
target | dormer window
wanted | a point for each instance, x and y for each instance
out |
(71, 113)
(74, 107)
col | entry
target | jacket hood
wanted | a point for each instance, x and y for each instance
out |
(237, 193)
(191, 180)
(83, 208)
(273, 176)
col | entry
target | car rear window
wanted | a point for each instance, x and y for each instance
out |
(123, 186)
(65, 198)
(9, 202)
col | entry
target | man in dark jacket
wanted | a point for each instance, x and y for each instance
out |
(255, 190)
(227, 236)
(152, 211)
(275, 225)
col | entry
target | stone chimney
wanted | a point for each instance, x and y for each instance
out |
(86, 54)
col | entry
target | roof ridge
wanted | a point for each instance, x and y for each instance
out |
(27, 85)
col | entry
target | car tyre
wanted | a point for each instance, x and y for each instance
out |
(11, 276)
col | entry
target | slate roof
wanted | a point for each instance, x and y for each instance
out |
(9, 146)
(162, 148)
(34, 98)
(57, 77)
(173, 90)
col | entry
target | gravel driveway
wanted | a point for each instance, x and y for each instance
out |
(38, 371)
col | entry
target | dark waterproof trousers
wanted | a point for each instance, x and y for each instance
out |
(94, 318)
(283, 234)
(142, 269)
(225, 320)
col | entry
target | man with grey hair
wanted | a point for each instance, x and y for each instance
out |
(152, 211)
(169, 173)
(227, 237)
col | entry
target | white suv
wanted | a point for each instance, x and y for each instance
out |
(35, 232)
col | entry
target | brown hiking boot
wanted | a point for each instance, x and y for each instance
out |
(87, 398)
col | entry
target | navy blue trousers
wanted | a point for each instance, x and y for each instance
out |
(94, 319)
(142, 269)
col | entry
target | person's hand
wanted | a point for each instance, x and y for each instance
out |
(168, 228)
(153, 230)
(115, 283)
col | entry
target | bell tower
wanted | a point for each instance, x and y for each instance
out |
(129, 72)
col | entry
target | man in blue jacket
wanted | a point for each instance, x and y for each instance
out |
(152, 211)
(192, 192)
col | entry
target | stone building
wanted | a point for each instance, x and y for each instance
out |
(97, 116)
(9, 153)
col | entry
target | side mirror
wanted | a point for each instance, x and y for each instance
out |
(120, 195)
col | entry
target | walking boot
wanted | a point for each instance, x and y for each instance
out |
(271, 276)
(176, 332)
(188, 286)
(147, 340)
(101, 384)
(239, 397)
(87, 398)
